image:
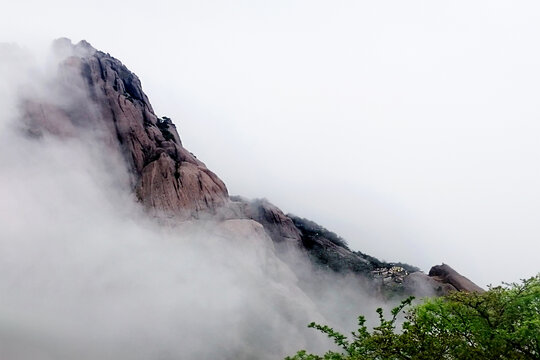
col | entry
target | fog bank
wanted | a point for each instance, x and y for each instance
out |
(87, 274)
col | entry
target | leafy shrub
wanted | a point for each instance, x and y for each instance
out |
(502, 323)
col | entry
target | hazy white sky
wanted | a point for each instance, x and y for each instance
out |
(410, 128)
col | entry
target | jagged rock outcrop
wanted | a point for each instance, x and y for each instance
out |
(104, 96)
(165, 177)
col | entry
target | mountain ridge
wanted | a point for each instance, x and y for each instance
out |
(171, 183)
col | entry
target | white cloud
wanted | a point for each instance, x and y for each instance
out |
(86, 274)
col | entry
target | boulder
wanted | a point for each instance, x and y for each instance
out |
(446, 275)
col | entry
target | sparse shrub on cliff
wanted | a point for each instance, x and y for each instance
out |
(311, 228)
(167, 135)
(163, 125)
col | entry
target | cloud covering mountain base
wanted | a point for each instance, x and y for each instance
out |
(87, 274)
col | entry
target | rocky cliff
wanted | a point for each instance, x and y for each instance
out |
(166, 178)
(172, 183)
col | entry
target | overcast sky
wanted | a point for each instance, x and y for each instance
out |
(409, 128)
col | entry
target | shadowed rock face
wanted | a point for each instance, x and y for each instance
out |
(107, 98)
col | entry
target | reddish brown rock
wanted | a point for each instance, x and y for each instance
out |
(107, 98)
(446, 275)
(279, 226)
(422, 285)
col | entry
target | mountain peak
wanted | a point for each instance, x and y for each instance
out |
(170, 182)
(166, 178)
(64, 47)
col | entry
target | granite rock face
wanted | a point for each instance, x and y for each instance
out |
(422, 285)
(165, 177)
(446, 275)
(103, 96)
(279, 226)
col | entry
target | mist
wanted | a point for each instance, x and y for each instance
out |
(87, 274)
(414, 125)
(410, 129)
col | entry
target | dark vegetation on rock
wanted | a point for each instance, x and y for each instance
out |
(329, 249)
(163, 124)
(312, 229)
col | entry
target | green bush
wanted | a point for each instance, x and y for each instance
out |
(501, 323)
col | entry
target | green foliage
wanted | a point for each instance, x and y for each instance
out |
(502, 323)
